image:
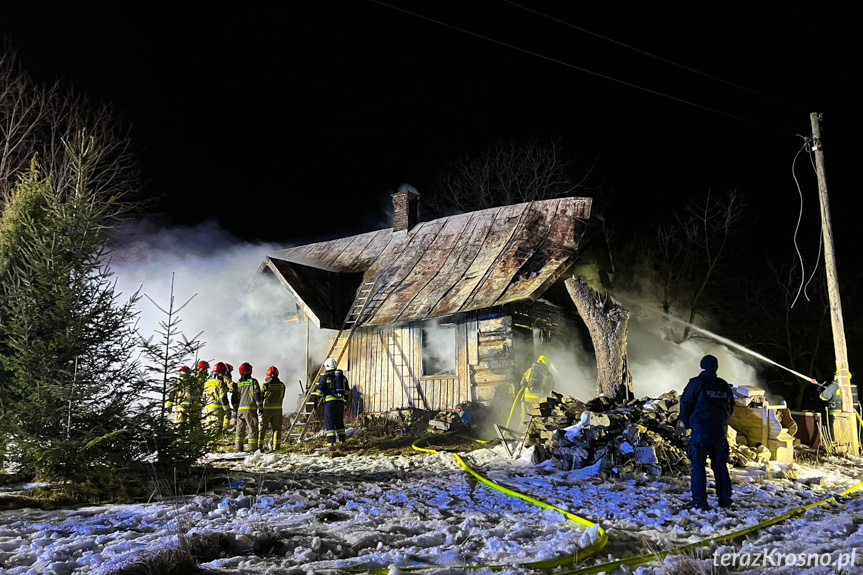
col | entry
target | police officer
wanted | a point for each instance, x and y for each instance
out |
(333, 388)
(705, 407)
(247, 400)
(273, 392)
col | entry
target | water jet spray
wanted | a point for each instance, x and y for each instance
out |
(730, 343)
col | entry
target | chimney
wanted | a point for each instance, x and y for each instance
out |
(405, 208)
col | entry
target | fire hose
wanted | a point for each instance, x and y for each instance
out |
(601, 536)
(597, 543)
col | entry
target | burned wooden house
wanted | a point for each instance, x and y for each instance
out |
(456, 306)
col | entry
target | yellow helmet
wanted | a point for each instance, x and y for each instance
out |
(541, 359)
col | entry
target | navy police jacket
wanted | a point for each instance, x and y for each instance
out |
(707, 403)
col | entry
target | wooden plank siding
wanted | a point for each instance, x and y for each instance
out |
(379, 386)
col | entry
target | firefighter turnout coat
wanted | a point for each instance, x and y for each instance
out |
(247, 394)
(273, 392)
(216, 406)
(334, 389)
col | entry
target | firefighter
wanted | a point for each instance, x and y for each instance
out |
(247, 402)
(333, 388)
(273, 391)
(831, 395)
(536, 383)
(180, 394)
(231, 414)
(203, 370)
(216, 405)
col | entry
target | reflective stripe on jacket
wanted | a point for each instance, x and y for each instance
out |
(332, 387)
(216, 393)
(274, 393)
(249, 393)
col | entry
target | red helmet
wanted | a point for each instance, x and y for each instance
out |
(184, 370)
(272, 371)
(219, 368)
(229, 367)
(246, 369)
(202, 365)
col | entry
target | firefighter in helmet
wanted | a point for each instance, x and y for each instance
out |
(273, 391)
(216, 406)
(333, 388)
(536, 383)
(179, 396)
(203, 370)
(247, 401)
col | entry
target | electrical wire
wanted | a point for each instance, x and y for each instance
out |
(797, 226)
(587, 71)
(667, 61)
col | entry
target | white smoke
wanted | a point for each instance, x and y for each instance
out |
(241, 320)
(238, 319)
(658, 364)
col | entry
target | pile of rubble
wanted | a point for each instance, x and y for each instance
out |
(626, 440)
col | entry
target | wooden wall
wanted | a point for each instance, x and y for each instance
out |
(385, 368)
(492, 350)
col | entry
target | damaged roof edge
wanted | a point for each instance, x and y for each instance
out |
(268, 264)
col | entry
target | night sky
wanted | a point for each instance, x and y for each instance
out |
(296, 120)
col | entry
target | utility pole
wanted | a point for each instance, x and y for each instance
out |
(845, 427)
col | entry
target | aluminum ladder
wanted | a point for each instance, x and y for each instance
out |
(306, 410)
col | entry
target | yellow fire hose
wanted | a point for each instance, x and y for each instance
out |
(512, 409)
(602, 536)
(568, 559)
(648, 557)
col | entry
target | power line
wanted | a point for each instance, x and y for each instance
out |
(667, 61)
(585, 70)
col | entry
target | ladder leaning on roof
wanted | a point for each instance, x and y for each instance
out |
(306, 410)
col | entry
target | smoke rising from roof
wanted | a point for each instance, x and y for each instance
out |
(244, 320)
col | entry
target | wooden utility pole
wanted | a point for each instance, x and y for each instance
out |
(845, 428)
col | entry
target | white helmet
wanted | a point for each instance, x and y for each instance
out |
(330, 363)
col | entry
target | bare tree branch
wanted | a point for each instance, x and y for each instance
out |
(41, 121)
(505, 173)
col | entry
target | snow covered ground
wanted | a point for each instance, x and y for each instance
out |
(329, 512)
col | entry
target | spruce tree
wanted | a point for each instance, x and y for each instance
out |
(66, 344)
(173, 445)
